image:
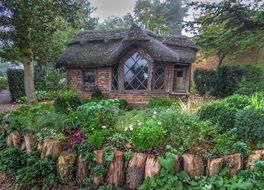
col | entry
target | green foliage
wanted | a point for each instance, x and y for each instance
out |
(249, 124)
(162, 102)
(229, 77)
(97, 95)
(204, 80)
(66, 101)
(96, 139)
(123, 104)
(15, 82)
(185, 132)
(223, 112)
(37, 173)
(232, 28)
(150, 130)
(112, 23)
(3, 83)
(45, 95)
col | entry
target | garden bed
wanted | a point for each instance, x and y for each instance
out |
(99, 144)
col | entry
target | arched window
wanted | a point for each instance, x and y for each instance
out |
(136, 72)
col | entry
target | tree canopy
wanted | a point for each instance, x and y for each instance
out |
(230, 27)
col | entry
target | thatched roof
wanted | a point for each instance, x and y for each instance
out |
(105, 48)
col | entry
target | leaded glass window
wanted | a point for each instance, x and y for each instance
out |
(89, 78)
(159, 77)
(115, 78)
(136, 75)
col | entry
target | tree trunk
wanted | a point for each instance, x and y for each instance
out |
(193, 165)
(82, 171)
(30, 142)
(214, 166)
(51, 148)
(115, 174)
(99, 157)
(152, 167)
(234, 163)
(29, 81)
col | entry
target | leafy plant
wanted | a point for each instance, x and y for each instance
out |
(162, 102)
(67, 101)
(3, 83)
(204, 80)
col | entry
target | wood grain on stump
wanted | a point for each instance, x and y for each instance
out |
(136, 170)
(13, 139)
(51, 148)
(30, 142)
(115, 175)
(81, 171)
(255, 156)
(65, 161)
(234, 163)
(193, 165)
(152, 166)
(99, 157)
(214, 166)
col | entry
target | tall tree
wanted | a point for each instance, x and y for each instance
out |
(32, 24)
(163, 17)
(231, 27)
(116, 23)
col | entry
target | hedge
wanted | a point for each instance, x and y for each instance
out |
(15, 79)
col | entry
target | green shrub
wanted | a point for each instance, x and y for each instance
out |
(204, 80)
(146, 135)
(250, 124)
(67, 101)
(123, 104)
(16, 83)
(229, 77)
(185, 131)
(37, 173)
(3, 83)
(162, 102)
(45, 95)
(97, 95)
(251, 86)
(223, 112)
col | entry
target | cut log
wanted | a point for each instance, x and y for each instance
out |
(99, 157)
(115, 175)
(23, 146)
(13, 139)
(82, 171)
(152, 166)
(40, 146)
(178, 164)
(214, 166)
(193, 165)
(51, 148)
(65, 161)
(30, 142)
(136, 170)
(234, 163)
(255, 156)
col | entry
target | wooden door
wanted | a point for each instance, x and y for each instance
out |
(179, 82)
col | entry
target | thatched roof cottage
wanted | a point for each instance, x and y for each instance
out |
(131, 64)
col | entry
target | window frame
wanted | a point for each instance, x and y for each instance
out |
(87, 87)
(155, 65)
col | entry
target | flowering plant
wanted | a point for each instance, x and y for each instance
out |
(75, 138)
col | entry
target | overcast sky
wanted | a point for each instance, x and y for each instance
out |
(107, 8)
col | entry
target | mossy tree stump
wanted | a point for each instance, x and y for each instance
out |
(193, 165)
(99, 158)
(214, 166)
(115, 175)
(13, 139)
(152, 166)
(81, 171)
(234, 163)
(136, 170)
(30, 143)
(51, 148)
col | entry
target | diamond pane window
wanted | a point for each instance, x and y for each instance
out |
(136, 70)
(115, 78)
(89, 79)
(159, 77)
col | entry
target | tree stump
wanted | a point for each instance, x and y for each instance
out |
(152, 166)
(193, 165)
(178, 163)
(255, 156)
(99, 157)
(115, 174)
(234, 163)
(51, 148)
(13, 139)
(23, 146)
(214, 166)
(40, 146)
(81, 171)
(30, 143)
(65, 161)
(136, 170)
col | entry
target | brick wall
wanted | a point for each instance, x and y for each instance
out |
(135, 99)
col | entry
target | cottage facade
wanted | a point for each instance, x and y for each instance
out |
(131, 64)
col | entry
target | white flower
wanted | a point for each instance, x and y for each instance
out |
(154, 116)
(130, 126)
(155, 113)
(126, 129)
(92, 129)
(159, 123)
(131, 129)
(103, 126)
(139, 123)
